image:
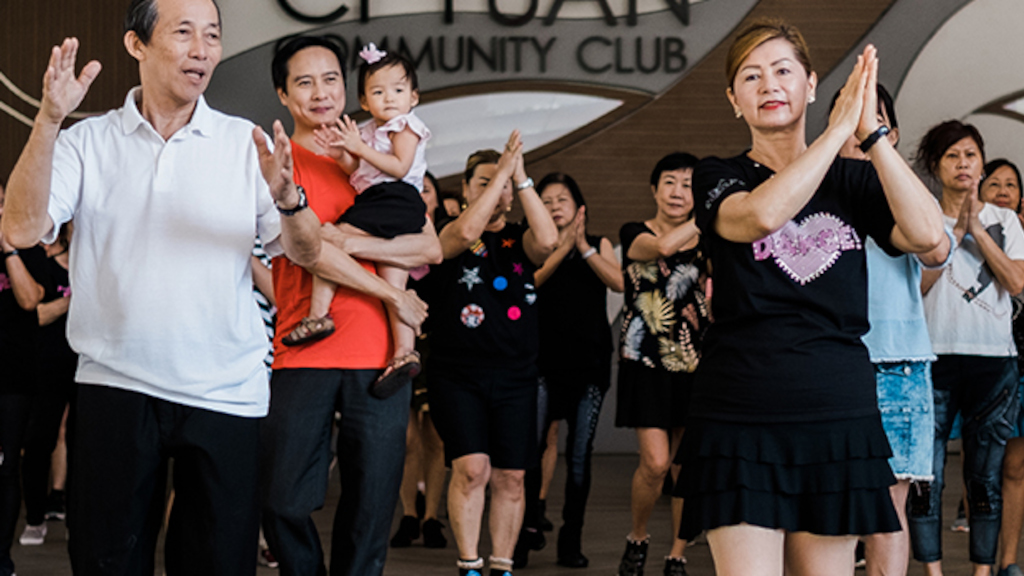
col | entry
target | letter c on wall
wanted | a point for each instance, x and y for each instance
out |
(302, 17)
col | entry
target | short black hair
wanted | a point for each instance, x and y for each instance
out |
(565, 180)
(674, 161)
(290, 45)
(940, 138)
(996, 165)
(142, 16)
(391, 59)
(885, 103)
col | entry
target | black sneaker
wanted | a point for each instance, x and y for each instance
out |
(433, 537)
(675, 566)
(634, 558)
(569, 554)
(408, 530)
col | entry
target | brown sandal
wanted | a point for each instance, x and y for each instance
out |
(309, 330)
(399, 372)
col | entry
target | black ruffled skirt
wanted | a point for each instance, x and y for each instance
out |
(387, 210)
(827, 478)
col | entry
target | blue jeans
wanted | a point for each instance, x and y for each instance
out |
(579, 447)
(295, 440)
(580, 409)
(984, 391)
(906, 402)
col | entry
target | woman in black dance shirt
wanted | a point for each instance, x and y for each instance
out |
(784, 458)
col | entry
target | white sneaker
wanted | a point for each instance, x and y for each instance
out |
(33, 535)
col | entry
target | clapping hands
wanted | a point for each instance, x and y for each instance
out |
(339, 138)
(511, 161)
(856, 109)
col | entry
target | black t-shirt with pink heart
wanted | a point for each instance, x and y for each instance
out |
(790, 308)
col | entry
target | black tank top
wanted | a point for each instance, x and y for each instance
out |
(574, 330)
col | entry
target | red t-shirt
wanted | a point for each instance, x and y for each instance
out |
(362, 337)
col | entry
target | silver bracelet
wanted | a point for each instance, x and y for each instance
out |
(589, 253)
(528, 183)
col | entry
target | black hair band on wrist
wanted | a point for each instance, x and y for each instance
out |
(11, 253)
(874, 137)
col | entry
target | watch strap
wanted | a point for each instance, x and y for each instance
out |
(302, 205)
(873, 138)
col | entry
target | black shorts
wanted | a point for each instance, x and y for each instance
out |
(387, 210)
(489, 411)
(652, 397)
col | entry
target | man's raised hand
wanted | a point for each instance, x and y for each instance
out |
(276, 166)
(62, 91)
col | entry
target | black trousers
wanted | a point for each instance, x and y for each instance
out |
(14, 411)
(43, 431)
(119, 446)
(296, 439)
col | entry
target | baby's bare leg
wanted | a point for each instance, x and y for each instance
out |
(320, 298)
(404, 335)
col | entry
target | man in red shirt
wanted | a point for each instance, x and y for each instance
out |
(312, 381)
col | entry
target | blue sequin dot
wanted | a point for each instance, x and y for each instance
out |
(500, 283)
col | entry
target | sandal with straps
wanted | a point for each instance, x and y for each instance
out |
(399, 372)
(309, 330)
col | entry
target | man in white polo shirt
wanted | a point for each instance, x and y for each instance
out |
(167, 197)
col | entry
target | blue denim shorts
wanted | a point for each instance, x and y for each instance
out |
(908, 416)
(1018, 426)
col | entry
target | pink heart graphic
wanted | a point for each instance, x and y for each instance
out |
(807, 250)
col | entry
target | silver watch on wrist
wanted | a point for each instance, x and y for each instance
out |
(301, 205)
(528, 183)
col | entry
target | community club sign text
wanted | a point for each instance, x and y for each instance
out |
(630, 54)
(593, 54)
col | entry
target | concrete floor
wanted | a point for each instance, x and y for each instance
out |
(608, 521)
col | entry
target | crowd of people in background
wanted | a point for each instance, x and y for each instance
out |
(805, 327)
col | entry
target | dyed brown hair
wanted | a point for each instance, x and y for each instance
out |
(758, 32)
(477, 158)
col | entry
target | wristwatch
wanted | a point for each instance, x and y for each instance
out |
(873, 137)
(528, 183)
(11, 253)
(302, 205)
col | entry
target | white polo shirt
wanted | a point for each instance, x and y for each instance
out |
(160, 256)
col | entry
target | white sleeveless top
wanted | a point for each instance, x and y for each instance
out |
(378, 138)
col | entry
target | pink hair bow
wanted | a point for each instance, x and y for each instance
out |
(371, 54)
